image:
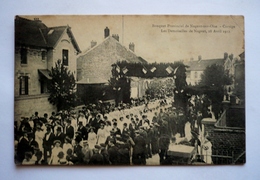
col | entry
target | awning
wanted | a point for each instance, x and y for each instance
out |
(45, 73)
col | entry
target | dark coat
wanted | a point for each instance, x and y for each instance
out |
(113, 155)
(84, 132)
(60, 137)
(22, 147)
(139, 147)
(70, 131)
(47, 143)
(96, 159)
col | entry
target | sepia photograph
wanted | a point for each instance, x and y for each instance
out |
(129, 90)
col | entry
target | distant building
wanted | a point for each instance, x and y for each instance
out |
(196, 67)
(37, 49)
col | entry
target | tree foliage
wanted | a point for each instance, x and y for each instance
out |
(62, 87)
(213, 80)
(180, 95)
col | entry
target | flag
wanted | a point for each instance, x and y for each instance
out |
(175, 70)
(153, 69)
(144, 70)
(169, 69)
(125, 70)
(117, 68)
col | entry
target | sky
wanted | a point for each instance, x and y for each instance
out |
(161, 38)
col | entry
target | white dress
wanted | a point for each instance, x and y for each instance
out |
(101, 136)
(54, 155)
(207, 152)
(92, 139)
(39, 135)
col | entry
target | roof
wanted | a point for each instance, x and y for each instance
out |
(35, 33)
(134, 58)
(202, 64)
(92, 80)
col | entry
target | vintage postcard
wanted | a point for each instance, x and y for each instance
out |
(129, 90)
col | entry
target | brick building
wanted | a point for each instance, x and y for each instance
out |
(37, 49)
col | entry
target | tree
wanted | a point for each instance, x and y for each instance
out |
(180, 97)
(62, 87)
(213, 80)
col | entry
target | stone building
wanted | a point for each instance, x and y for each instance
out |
(94, 65)
(196, 67)
(37, 49)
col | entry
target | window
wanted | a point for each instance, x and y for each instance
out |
(24, 85)
(23, 53)
(44, 86)
(65, 57)
(43, 55)
(195, 75)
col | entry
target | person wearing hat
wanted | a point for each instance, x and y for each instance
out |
(55, 151)
(101, 134)
(116, 129)
(87, 152)
(59, 135)
(107, 128)
(92, 138)
(138, 157)
(78, 152)
(67, 145)
(39, 135)
(28, 159)
(104, 153)
(69, 130)
(82, 119)
(83, 130)
(113, 153)
(110, 137)
(97, 158)
(23, 147)
(47, 143)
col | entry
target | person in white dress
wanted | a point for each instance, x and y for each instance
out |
(101, 134)
(67, 145)
(39, 135)
(207, 151)
(187, 131)
(92, 138)
(54, 160)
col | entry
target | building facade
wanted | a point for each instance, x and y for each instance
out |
(37, 49)
(196, 67)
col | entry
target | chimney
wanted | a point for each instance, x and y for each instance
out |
(199, 58)
(132, 47)
(37, 19)
(225, 55)
(93, 43)
(116, 37)
(106, 32)
(231, 56)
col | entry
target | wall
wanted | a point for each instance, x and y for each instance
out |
(26, 106)
(226, 141)
(65, 43)
(34, 62)
(97, 61)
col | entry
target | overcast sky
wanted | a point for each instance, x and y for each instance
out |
(154, 45)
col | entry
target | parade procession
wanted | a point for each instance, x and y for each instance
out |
(106, 105)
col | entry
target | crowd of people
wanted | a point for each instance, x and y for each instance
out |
(128, 135)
